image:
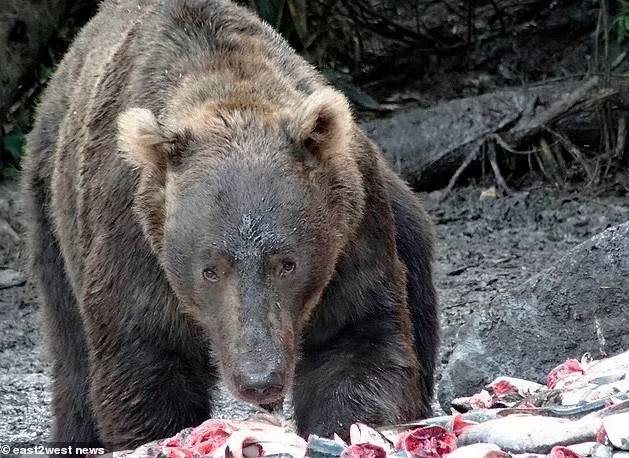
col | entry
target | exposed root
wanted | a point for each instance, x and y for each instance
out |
(491, 154)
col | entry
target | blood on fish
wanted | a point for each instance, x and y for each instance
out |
(174, 441)
(209, 436)
(482, 400)
(503, 387)
(427, 442)
(601, 436)
(563, 452)
(569, 367)
(178, 452)
(460, 424)
(364, 451)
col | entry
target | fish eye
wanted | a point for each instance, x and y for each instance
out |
(210, 275)
(287, 267)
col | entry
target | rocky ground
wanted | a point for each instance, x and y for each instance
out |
(486, 246)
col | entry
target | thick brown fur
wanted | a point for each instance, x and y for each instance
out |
(201, 204)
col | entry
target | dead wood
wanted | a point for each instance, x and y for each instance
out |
(431, 147)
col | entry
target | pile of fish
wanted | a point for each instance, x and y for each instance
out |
(581, 411)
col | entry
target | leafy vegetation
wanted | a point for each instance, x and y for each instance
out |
(16, 122)
(13, 144)
(622, 22)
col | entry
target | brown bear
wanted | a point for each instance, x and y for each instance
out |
(202, 205)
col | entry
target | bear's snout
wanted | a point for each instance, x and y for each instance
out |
(259, 382)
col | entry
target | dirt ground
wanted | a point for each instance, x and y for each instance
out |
(485, 246)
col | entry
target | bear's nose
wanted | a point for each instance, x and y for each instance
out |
(259, 385)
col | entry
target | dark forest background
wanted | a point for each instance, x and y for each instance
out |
(547, 81)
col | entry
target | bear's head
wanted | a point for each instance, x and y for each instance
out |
(248, 209)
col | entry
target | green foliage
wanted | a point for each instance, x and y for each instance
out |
(14, 144)
(18, 122)
(622, 22)
(8, 171)
(11, 152)
(13, 141)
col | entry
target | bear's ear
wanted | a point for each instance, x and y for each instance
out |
(324, 123)
(145, 142)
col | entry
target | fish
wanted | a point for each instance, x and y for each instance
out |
(617, 430)
(320, 447)
(531, 434)
(428, 442)
(582, 410)
(480, 450)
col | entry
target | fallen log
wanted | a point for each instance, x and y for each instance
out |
(431, 147)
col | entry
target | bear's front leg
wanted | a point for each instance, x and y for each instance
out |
(142, 391)
(372, 379)
(150, 373)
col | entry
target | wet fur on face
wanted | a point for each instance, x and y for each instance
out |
(244, 190)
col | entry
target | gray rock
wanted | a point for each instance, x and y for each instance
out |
(10, 277)
(579, 305)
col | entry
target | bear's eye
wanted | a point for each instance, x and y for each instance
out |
(287, 268)
(210, 275)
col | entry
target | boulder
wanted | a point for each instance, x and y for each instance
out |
(10, 278)
(579, 305)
